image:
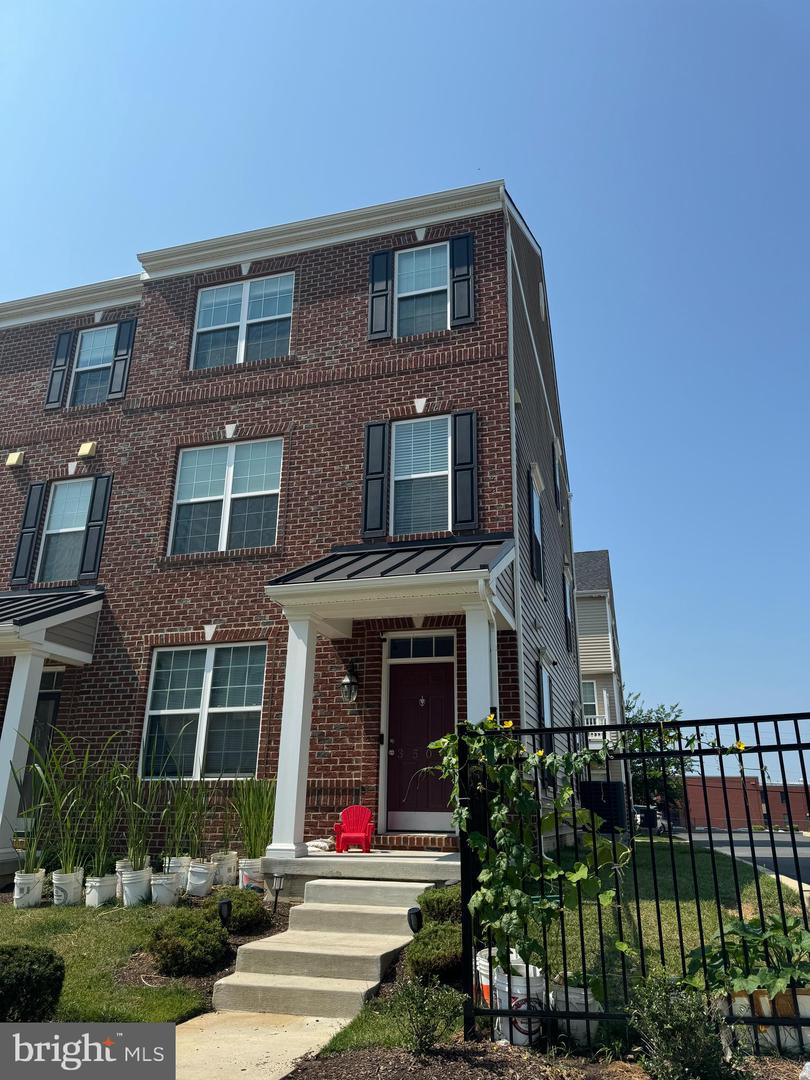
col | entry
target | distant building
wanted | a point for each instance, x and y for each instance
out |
(599, 663)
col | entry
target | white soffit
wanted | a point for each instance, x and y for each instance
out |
(116, 292)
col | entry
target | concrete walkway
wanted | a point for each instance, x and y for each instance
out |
(220, 1046)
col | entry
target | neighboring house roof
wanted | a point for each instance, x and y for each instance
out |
(400, 560)
(592, 571)
(27, 608)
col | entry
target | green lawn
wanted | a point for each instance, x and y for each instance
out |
(656, 873)
(378, 1023)
(95, 944)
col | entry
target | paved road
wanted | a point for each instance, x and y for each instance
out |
(763, 853)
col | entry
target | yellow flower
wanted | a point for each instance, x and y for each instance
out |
(540, 753)
(507, 723)
(491, 717)
(739, 745)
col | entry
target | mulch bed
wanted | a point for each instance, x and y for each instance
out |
(141, 970)
(502, 1062)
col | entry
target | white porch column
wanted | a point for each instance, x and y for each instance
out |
(481, 688)
(293, 754)
(18, 724)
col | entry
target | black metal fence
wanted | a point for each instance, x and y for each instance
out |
(713, 814)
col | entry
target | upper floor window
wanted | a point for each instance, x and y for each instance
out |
(226, 497)
(422, 276)
(100, 366)
(65, 525)
(421, 476)
(568, 601)
(536, 527)
(421, 289)
(204, 712)
(589, 701)
(245, 322)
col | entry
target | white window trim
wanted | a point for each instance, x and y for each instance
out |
(46, 532)
(204, 710)
(419, 292)
(93, 367)
(244, 322)
(538, 534)
(546, 720)
(595, 703)
(227, 497)
(422, 475)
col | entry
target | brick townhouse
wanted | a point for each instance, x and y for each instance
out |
(290, 503)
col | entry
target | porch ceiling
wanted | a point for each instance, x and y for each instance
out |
(60, 624)
(394, 580)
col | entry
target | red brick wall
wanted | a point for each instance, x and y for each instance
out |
(318, 401)
(736, 795)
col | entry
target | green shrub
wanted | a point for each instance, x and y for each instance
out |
(679, 1032)
(188, 942)
(435, 951)
(30, 983)
(247, 913)
(428, 1013)
(441, 905)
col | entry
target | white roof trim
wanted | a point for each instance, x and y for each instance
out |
(116, 292)
(324, 231)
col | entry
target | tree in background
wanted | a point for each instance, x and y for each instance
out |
(657, 781)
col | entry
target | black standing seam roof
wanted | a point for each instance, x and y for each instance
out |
(392, 562)
(24, 608)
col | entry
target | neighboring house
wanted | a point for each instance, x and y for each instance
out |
(599, 664)
(291, 502)
(737, 802)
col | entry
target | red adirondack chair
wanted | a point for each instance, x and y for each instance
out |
(355, 829)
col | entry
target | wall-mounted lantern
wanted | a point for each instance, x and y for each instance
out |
(349, 684)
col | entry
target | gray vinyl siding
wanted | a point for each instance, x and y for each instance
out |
(505, 589)
(75, 634)
(542, 610)
(593, 628)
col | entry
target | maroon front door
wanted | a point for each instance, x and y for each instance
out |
(421, 708)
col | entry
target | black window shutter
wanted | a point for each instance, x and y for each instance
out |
(555, 472)
(32, 515)
(119, 373)
(375, 480)
(465, 471)
(569, 629)
(59, 370)
(381, 294)
(462, 296)
(96, 525)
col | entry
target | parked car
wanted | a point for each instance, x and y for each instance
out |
(648, 817)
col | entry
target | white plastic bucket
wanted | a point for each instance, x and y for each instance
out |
(28, 889)
(120, 866)
(482, 970)
(178, 864)
(137, 886)
(764, 1007)
(200, 878)
(528, 991)
(250, 875)
(579, 1000)
(67, 888)
(227, 864)
(100, 890)
(165, 889)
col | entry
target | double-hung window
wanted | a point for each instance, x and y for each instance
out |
(204, 712)
(65, 528)
(589, 701)
(569, 612)
(536, 529)
(421, 476)
(243, 323)
(91, 371)
(423, 298)
(226, 497)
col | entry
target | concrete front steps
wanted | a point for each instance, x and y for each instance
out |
(339, 945)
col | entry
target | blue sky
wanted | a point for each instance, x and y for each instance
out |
(660, 152)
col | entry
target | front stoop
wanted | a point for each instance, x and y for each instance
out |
(340, 943)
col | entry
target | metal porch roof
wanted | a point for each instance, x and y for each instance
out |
(27, 608)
